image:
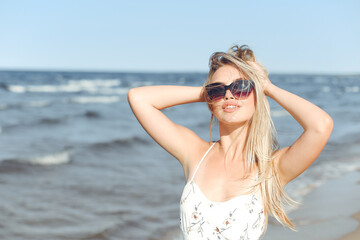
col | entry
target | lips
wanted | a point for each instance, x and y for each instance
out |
(231, 103)
(230, 109)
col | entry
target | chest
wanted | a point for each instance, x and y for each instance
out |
(219, 182)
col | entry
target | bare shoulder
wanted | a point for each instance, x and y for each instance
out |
(197, 148)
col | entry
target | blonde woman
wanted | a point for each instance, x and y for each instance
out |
(233, 184)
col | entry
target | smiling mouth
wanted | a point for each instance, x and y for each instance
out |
(230, 106)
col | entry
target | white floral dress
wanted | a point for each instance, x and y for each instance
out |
(240, 218)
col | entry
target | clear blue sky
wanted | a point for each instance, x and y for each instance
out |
(106, 35)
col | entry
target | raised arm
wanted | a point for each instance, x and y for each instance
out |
(317, 124)
(293, 160)
(146, 103)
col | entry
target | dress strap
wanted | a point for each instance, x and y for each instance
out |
(201, 161)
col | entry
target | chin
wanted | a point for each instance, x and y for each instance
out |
(233, 121)
(239, 119)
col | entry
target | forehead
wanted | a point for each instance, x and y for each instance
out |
(227, 74)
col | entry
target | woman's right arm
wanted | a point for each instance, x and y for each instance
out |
(146, 103)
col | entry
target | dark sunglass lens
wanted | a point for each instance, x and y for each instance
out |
(242, 88)
(243, 95)
(215, 91)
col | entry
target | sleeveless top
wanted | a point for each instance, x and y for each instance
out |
(240, 218)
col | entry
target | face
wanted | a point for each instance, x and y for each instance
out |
(223, 108)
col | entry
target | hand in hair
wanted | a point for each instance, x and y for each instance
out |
(265, 83)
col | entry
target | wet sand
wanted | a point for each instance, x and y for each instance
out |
(355, 235)
(331, 211)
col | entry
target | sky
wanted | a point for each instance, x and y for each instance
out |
(305, 36)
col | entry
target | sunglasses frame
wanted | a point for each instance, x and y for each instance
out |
(230, 87)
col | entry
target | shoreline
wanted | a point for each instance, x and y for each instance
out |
(354, 235)
(331, 211)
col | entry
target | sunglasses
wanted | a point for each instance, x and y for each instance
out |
(240, 89)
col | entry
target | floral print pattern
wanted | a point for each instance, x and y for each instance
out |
(240, 218)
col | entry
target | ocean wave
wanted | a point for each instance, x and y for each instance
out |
(50, 121)
(279, 113)
(93, 86)
(10, 106)
(319, 174)
(42, 121)
(52, 159)
(97, 83)
(127, 142)
(352, 89)
(96, 99)
(92, 114)
(45, 160)
(34, 104)
(108, 91)
(38, 104)
(13, 88)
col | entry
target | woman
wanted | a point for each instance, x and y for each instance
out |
(232, 185)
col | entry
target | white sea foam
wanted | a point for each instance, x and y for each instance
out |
(96, 83)
(38, 103)
(353, 89)
(51, 159)
(17, 88)
(108, 91)
(97, 99)
(279, 113)
(58, 158)
(316, 176)
(71, 86)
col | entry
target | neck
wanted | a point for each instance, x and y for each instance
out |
(232, 140)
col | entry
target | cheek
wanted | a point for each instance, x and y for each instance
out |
(214, 106)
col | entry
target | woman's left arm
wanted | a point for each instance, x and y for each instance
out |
(318, 125)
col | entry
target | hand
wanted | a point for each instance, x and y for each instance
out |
(265, 81)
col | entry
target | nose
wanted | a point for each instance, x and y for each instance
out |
(228, 94)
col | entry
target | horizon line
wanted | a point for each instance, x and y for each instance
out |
(162, 71)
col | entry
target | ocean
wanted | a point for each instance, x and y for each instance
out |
(75, 163)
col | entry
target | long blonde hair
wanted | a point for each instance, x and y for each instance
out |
(261, 142)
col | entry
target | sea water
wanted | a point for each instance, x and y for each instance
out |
(76, 164)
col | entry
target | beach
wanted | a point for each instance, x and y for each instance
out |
(329, 212)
